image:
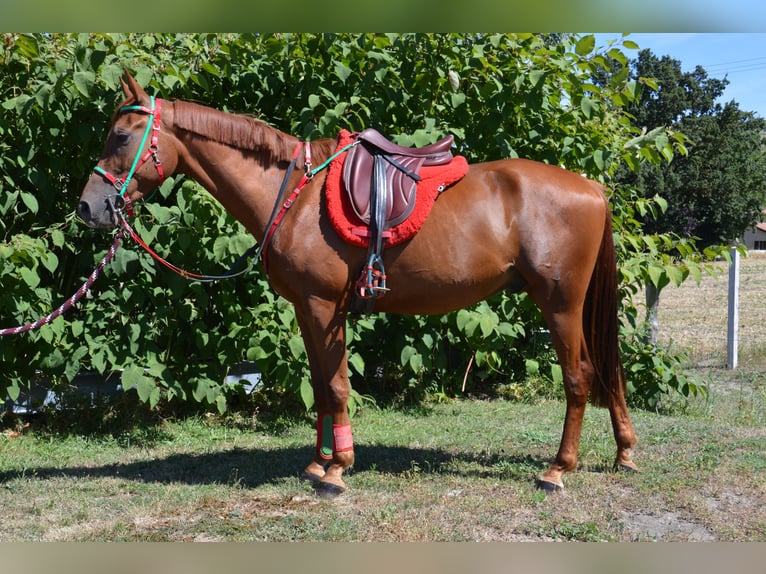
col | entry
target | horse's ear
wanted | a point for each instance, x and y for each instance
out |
(131, 87)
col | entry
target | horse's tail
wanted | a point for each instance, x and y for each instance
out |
(600, 323)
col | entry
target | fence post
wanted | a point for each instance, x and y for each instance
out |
(732, 338)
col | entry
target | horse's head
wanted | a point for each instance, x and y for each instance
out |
(134, 160)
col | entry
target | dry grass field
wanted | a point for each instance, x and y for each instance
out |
(693, 317)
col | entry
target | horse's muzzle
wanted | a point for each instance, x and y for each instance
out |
(104, 217)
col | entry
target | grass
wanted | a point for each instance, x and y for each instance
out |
(457, 471)
(450, 471)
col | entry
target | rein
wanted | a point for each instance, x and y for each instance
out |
(277, 214)
(122, 201)
(259, 250)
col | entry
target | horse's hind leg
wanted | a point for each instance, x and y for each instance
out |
(324, 333)
(578, 374)
(624, 435)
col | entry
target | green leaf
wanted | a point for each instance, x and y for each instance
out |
(657, 275)
(342, 71)
(211, 69)
(532, 367)
(487, 324)
(457, 100)
(557, 374)
(73, 366)
(122, 259)
(408, 351)
(508, 329)
(661, 141)
(50, 261)
(535, 76)
(618, 56)
(30, 201)
(585, 45)
(587, 106)
(201, 389)
(357, 362)
(674, 274)
(14, 391)
(111, 74)
(98, 360)
(598, 159)
(57, 238)
(428, 340)
(134, 377)
(307, 393)
(26, 46)
(84, 82)
(53, 360)
(221, 247)
(30, 277)
(17, 102)
(416, 362)
(297, 347)
(161, 213)
(462, 318)
(696, 272)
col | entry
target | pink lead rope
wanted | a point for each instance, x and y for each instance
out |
(73, 299)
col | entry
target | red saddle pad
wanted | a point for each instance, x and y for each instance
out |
(434, 180)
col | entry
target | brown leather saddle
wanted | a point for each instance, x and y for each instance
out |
(381, 179)
(398, 178)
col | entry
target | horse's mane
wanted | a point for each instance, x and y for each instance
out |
(239, 131)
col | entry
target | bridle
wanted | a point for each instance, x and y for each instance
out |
(120, 200)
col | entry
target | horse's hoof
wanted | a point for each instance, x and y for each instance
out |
(549, 487)
(625, 468)
(310, 477)
(327, 489)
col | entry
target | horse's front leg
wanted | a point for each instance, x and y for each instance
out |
(323, 326)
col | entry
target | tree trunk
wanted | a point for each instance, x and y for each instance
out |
(652, 309)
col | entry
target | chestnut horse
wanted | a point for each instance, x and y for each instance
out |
(511, 224)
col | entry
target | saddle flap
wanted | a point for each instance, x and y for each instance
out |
(401, 173)
(402, 187)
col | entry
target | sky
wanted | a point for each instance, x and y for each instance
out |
(740, 57)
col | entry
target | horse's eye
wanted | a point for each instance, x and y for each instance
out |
(121, 137)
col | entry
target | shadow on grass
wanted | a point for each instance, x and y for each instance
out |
(251, 468)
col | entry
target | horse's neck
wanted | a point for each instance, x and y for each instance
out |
(240, 161)
(245, 183)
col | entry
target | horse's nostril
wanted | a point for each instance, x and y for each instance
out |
(84, 210)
